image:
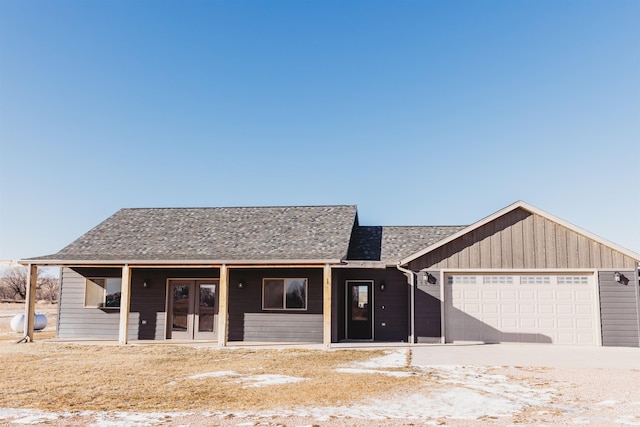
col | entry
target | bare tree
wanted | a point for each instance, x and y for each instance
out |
(48, 288)
(13, 284)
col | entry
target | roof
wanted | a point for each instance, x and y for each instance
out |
(301, 233)
(529, 208)
(390, 244)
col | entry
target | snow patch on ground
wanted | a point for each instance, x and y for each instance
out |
(610, 403)
(378, 365)
(23, 416)
(216, 374)
(398, 374)
(498, 386)
(262, 380)
(128, 419)
(396, 359)
(267, 379)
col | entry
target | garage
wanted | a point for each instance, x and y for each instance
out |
(530, 308)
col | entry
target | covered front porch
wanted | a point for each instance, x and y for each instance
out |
(216, 304)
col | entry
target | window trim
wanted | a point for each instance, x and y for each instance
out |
(284, 295)
(103, 305)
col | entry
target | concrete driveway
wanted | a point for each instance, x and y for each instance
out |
(556, 356)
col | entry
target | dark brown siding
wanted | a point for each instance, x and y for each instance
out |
(249, 322)
(428, 308)
(520, 239)
(391, 308)
(619, 309)
(148, 305)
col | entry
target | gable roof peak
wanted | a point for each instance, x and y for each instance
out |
(520, 204)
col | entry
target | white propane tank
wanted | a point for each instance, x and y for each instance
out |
(17, 323)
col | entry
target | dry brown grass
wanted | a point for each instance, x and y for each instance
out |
(55, 376)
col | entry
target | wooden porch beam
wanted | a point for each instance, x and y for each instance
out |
(30, 303)
(326, 307)
(125, 305)
(223, 306)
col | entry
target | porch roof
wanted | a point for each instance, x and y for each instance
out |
(260, 234)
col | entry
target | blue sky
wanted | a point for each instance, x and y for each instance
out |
(419, 112)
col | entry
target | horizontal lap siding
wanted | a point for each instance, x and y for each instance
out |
(147, 318)
(76, 321)
(520, 239)
(249, 322)
(619, 310)
(282, 327)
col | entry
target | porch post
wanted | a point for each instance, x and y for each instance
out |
(30, 302)
(326, 307)
(125, 305)
(223, 306)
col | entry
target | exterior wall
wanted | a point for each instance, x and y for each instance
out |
(391, 306)
(520, 239)
(619, 309)
(76, 321)
(428, 322)
(249, 322)
(147, 319)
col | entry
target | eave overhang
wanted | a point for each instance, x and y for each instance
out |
(175, 263)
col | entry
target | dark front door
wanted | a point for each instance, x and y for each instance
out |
(359, 322)
(193, 309)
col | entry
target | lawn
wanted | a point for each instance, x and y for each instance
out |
(61, 377)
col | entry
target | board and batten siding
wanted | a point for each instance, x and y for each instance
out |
(619, 309)
(520, 239)
(249, 322)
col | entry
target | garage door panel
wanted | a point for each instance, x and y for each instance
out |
(565, 309)
(546, 296)
(508, 309)
(583, 296)
(546, 309)
(526, 294)
(543, 310)
(566, 324)
(508, 294)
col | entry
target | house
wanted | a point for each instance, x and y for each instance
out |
(314, 274)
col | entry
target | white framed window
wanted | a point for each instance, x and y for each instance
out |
(102, 292)
(497, 280)
(535, 280)
(284, 294)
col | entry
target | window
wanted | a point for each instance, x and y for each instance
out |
(468, 280)
(497, 280)
(573, 280)
(535, 280)
(103, 292)
(284, 294)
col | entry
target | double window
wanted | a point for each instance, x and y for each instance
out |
(102, 292)
(284, 294)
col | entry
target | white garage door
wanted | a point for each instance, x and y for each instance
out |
(521, 308)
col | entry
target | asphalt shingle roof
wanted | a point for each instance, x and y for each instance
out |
(231, 234)
(391, 244)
